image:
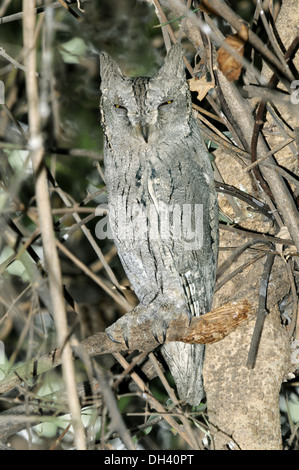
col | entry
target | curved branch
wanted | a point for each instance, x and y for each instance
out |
(209, 328)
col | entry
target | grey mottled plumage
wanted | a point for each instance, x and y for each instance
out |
(155, 159)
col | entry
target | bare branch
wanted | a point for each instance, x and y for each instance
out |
(45, 219)
(208, 328)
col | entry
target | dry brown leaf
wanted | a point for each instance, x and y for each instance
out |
(220, 322)
(201, 86)
(228, 65)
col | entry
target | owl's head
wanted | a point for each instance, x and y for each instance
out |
(148, 109)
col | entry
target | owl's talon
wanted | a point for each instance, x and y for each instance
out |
(111, 338)
(164, 336)
(126, 341)
(156, 338)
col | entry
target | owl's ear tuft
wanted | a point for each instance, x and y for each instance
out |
(108, 69)
(173, 66)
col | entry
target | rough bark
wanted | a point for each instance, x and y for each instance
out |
(243, 404)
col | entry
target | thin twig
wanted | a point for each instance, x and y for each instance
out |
(259, 122)
(271, 152)
(174, 399)
(166, 30)
(261, 236)
(257, 205)
(88, 235)
(235, 255)
(117, 423)
(270, 35)
(19, 16)
(4, 6)
(293, 179)
(153, 401)
(13, 61)
(236, 21)
(45, 219)
(238, 270)
(215, 38)
(262, 312)
(69, 9)
(120, 300)
(294, 326)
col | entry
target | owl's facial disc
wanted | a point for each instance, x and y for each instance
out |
(140, 119)
(148, 112)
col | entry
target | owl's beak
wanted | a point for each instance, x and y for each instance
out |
(145, 132)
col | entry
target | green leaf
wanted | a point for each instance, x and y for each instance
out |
(72, 50)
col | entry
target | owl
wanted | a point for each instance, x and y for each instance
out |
(163, 207)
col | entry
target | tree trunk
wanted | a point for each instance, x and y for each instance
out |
(243, 404)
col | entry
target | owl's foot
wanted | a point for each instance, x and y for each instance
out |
(158, 318)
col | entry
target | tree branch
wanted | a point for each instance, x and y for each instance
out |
(208, 328)
(262, 312)
(45, 219)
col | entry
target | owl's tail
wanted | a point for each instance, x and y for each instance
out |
(185, 362)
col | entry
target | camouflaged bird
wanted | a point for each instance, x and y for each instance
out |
(163, 207)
